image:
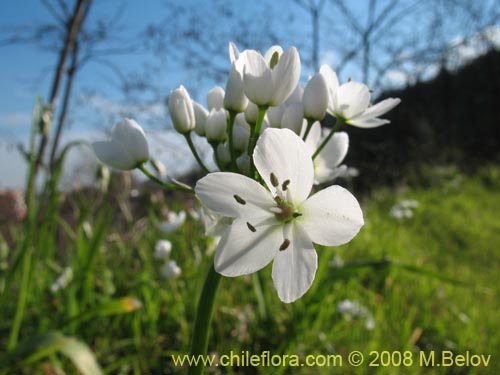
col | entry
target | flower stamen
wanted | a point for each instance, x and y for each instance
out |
(251, 227)
(239, 199)
(285, 244)
(274, 180)
(285, 184)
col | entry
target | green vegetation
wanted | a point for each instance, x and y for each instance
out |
(430, 282)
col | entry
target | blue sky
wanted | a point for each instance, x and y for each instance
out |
(26, 70)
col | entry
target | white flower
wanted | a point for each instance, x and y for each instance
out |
(327, 164)
(404, 209)
(280, 223)
(181, 110)
(351, 102)
(215, 98)
(354, 310)
(243, 163)
(171, 270)
(200, 118)
(163, 249)
(234, 98)
(241, 133)
(127, 149)
(267, 84)
(315, 98)
(63, 280)
(216, 124)
(174, 222)
(223, 153)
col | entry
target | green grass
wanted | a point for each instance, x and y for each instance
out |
(430, 282)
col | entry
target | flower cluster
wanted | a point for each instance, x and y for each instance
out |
(270, 150)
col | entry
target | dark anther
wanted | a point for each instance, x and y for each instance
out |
(285, 184)
(239, 199)
(251, 227)
(296, 215)
(274, 180)
(285, 244)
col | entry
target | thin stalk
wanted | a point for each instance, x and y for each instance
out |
(254, 136)
(166, 185)
(310, 123)
(195, 153)
(26, 251)
(199, 341)
(336, 127)
(232, 117)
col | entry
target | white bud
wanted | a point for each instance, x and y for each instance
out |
(215, 98)
(215, 129)
(243, 163)
(181, 110)
(127, 149)
(234, 98)
(171, 270)
(223, 154)
(251, 113)
(241, 134)
(162, 249)
(315, 98)
(200, 116)
(274, 115)
(293, 117)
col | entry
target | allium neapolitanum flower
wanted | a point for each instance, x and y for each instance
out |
(351, 102)
(163, 249)
(127, 149)
(280, 222)
(270, 83)
(181, 110)
(174, 222)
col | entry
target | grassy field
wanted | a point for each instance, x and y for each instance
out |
(425, 283)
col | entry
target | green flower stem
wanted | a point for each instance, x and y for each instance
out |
(166, 185)
(255, 135)
(310, 122)
(27, 250)
(216, 156)
(199, 341)
(335, 128)
(232, 117)
(195, 153)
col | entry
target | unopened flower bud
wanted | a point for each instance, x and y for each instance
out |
(171, 270)
(293, 117)
(315, 98)
(181, 110)
(200, 116)
(223, 154)
(274, 115)
(251, 113)
(234, 98)
(215, 129)
(243, 163)
(241, 134)
(215, 98)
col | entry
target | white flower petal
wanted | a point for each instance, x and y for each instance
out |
(234, 53)
(285, 76)
(353, 99)
(335, 150)
(379, 109)
(222, 192)
(114, 154)
(283, 153)
(332, 84)
(257, 79)
(368, 123)
(314, 137)
(331, 217)
(295, 267)
(247, 247)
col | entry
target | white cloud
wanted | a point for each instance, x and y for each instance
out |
(15, 119)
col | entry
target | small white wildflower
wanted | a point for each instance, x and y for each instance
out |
(62, 281)
(162, 249)
(171, 270)
(175, 221)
